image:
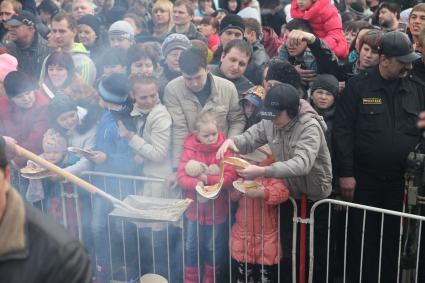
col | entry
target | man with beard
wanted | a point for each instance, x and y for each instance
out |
(374, 131)
(388, 16)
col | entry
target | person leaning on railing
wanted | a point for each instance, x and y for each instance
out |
(32, 247)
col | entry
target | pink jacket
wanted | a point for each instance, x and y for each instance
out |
(194, 150)
(326, 24)
(247, 234)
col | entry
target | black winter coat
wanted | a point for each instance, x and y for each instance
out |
(375, 125)
(50, 254)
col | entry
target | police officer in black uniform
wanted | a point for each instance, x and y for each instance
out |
(374, 130)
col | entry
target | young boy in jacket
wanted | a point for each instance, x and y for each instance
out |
(113, 155)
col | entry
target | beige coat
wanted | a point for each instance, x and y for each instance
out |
(184, 108)
(154, 146)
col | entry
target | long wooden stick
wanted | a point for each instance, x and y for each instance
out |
(72, 178)
(80, 182)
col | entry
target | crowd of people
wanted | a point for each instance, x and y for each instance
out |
(321, 97)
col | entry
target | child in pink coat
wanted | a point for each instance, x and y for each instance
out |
(205, 219)
(255, 245)
(325, 22)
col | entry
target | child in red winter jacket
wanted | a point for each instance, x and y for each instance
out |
(255, 245)
(325, 22)
(204, 218)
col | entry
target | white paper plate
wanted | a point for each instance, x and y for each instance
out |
(240, 186)
(208, 195)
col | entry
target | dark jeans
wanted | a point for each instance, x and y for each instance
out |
(254, 273)
(211, 238)
(387, 194)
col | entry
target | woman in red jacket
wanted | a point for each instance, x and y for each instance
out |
(23, 114)
(204, 218)
(255, 246)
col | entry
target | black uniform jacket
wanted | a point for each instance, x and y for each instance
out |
(375, 124)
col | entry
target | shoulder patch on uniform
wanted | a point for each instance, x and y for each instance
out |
(372, 100)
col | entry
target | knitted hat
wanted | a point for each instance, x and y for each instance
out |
(54, 141)
(8, 63)
(326, 82)
(175, 41)
(59, 105)
(114, 88)
(91, 21)
(121, 29)
(284, 72)
(17, 82)
(232, 21)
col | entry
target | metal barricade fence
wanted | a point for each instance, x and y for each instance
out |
(174, 263)
(405, 276)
